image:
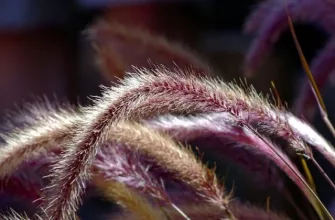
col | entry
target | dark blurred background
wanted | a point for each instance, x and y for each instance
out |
(43, 50)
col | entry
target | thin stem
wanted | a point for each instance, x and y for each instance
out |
(309, 74)
(315, 197)
(180, 211)
(268, 204)
(308, 173)
(279, 102)
(324, 174)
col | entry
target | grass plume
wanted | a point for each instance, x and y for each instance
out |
(128, 199)
(126, 145)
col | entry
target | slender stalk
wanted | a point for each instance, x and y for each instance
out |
(324, 174)
(316, 202)
(309, 74)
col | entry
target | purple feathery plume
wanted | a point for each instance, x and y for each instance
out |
(269, 20)
(171, 92)
(137, 171)
(147, 94)
(23, 189)
(27, 181)
(234, 141)
(119, 163)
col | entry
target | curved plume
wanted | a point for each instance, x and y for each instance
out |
(257, 155)
(180, 162)
(47, 128)
(114, 41)
(232, 140)
(311, 136)
(174, 94)
(120, 164)
(171, 93)
(128, 199)
(143, 95)
(269, 20)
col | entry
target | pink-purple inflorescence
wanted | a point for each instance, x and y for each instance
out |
(141, 144)
(269, 19)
